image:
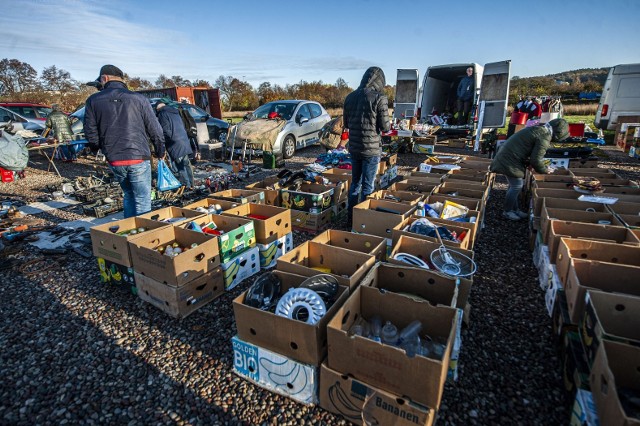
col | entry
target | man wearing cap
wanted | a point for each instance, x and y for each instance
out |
(120, 122)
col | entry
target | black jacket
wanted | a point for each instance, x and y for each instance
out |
(121, 123)
(175, 135)
(466, 88)
(366, 114)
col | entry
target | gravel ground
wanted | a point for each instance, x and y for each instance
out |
(77, 351)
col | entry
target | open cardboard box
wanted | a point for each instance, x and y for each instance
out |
(345, 396)
(269, 222)
(239, 234)
(379, 217)
(179, 270)
(449, 190)
(630, 221)
(470, 203)
(388, 367)
(311, 258)
(270, 188)
(617, 366)
(173, 215)
(363, 243)
(242, 196)
(419, 284)
(422, 249)
(586, 274)
(309, 197)
(113, 247)
(609, 317)
(459, 227)
(312, 222)
(341, 187)
(595, 173)
(346, 173)
(587, 231)
(570, 248)
(180, 302)
(414, 185)
(406, 197)
(206, 203)
(567, 215)
(625, 208)
(429, 177)
(294, 339)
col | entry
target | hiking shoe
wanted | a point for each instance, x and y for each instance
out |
(511, 215)
(523, 215)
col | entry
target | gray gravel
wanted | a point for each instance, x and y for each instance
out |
(77, 351)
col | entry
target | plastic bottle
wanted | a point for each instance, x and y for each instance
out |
(420, 210)
(430, 210)
(410, 331)
(389, 334)
(376, 328)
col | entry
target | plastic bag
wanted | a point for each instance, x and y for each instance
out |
(166, 180)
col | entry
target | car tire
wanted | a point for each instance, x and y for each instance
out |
(221, 135)
(288, 147)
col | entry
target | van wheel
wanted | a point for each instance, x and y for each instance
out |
(288, 147)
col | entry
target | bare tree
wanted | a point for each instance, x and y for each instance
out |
(16, 77)
(164, 81)
(180, 81)
(202, 83)
(57, 80)
(137, 83)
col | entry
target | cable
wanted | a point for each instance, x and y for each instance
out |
(411, 260)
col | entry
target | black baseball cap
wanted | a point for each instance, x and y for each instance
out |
(110, 70)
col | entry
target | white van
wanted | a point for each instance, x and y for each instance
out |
(406, 99)
(620, 96)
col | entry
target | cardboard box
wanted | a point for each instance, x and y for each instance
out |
(269, 222)
(414, 185)
(354, 400)
(239, 234)
(412, 282)
(297, 340)
(346, 173)
(113, 273)
(269, 253)
(388, 367)
(311, 258)
(242, 196)
(574, 363)
(552, 290)
(172, 215)
(595, 173)
(587, 231)
(428, 149)
(113, 247)
(457, 143)
(271, 188)
(561, 319)
(584, 411)
(457, 227)
(630, 221)
(339, 211)
(470, 203)
(312, 222)
(616, 366)
(379, 217)
(405, 197)
(179, 270)
(595, 251)
(464, 189)
(363, 243)
(567, 215)
(423, 249)
(625, 208)
(205, 204)
(275, 372)
(585, 274)
(609, 316)
(180, 302)
(312, 198)
(241, 267)
(340, 184)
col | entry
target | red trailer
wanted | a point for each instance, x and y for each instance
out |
(203, 97)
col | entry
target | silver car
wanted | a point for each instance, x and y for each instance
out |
(304, 121)
(19, 122)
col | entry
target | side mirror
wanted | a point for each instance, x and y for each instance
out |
(301, 120)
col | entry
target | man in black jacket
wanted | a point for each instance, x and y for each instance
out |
(366, 115)
(465, 92)
(177, 142)
(120, 123)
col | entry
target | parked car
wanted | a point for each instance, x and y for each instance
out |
(30, 111)
(304, 119)
(20, 122)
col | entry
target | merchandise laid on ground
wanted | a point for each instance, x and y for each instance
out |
(368, 323)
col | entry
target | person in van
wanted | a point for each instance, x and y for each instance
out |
(525, 148)
(466, 89)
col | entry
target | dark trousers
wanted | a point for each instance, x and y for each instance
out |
(463, 107)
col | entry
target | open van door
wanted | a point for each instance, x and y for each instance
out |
(494, 96)
(406, 98)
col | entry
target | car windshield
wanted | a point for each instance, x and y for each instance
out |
(193, 110)
(284, 109)
(43, 111)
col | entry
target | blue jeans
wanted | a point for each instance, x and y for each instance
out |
(182, 168)
(511, 199)
(135, 182)
(363, 174)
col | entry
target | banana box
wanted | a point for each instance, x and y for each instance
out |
(419, 148)
(584, 412)
(241, 267)
(269, 253)
(110, 272)
(554, 285)
(356, 401)
(311, 222)
(312, 198)
(275, 372)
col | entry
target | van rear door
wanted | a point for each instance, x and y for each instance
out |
(620, 97)
(494, 91)
(406, 99)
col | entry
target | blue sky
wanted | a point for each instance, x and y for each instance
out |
(284, 42)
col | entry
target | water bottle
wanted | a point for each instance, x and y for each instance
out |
(389, 334)
(376, 328)
(420, 210)
(410, 331)
(430, 210)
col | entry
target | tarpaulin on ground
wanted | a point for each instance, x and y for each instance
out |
(257, 132)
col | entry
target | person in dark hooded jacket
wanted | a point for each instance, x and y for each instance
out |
(366, 115)
(525, 148)
(177, 142)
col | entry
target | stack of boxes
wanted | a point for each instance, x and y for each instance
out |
(587, 252)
